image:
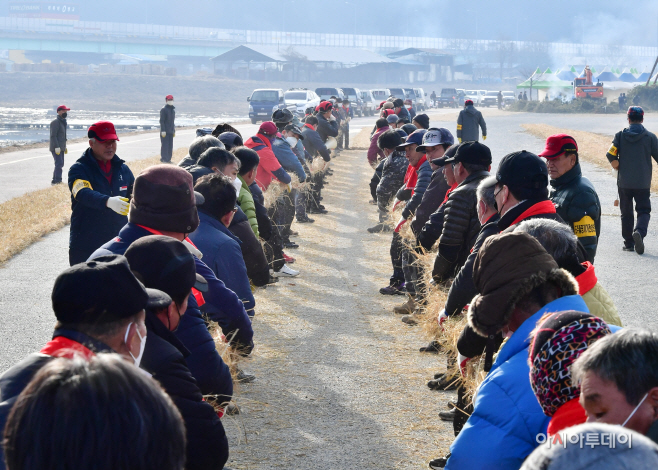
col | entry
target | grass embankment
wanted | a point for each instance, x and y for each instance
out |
(557, 106)
(27, 218)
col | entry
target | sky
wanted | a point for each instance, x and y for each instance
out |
(600, 21)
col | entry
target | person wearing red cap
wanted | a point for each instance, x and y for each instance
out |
(101, 185)
(574, 195)
(167, 130)
(58, 142)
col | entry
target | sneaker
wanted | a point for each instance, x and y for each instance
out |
(628, 247)
(244, 378)
(444, 383)
(452, 404)
(290, 244)
(286, 271)
(639, 243)
(438, 375)
(305, 220)
(447, 415)
(292, 233)
(393, 290)
(373, 202)
(273, 280)
(313, 210)
(379, 228)
(433, 464)
(54, 182)
(433, 348)
(410, 319)
(232, 410)
(288, 259)
(406, 308)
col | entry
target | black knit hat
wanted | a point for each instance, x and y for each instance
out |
(164, 199)
(423, 120)
(102, 290)
(525, 174)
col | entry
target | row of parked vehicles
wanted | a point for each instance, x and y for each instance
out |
(263, 102)
(455, 97)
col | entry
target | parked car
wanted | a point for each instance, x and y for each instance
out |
(447, 98)
(473, 96)
(299, 99)
(490, 99)
(481, 95)
(421, 102)
(370, 102)
(461, 96)
(326, 93)
(380, 94)
(508, 97)
(410, 95)
(263, 102)
(397, 93)
(356, 102)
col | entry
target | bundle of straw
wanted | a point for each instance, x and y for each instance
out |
(318, 164)
(272, 193)
(230, 358)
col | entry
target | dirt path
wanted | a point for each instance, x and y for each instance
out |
(341, 384)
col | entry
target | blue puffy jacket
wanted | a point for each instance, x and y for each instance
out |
(287, 158)
(222, 253)
(506, 418)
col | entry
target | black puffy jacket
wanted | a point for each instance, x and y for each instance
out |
(460, 227)
(578, 204)
(164, 358)
(432, 199)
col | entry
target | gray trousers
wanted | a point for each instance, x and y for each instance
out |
(167, 147)
(59, 165)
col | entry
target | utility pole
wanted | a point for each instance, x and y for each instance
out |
(652, 70)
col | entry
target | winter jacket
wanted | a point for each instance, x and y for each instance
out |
(314, 144)
(252, 252)
(393, 170)
(222, 253)
(467, 124)
(167, 117)
(326, 128)
(460, 227)
(287, 158)
(164, 358)
(424, 173)
(246, 203)
(596, 297)
(92, 222)
(58, 134)
(463, 288)
(507, 417)
(633, 148)
(269, 167)
(374, 152)
(432, 199)
(187, 162)
(376, 178)
(264, 221)
(578, 204)
(198, 171)
(404, 114)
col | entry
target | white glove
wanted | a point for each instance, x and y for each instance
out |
(118, 204)
(615, 173)
(163, 134)
(58, 150)
(332, 118)
(462, 363)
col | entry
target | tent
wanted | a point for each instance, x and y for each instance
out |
(644, 76)
(607, 76)
(627, 76)
(567, 75)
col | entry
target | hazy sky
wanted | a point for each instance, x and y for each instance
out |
(604, 21)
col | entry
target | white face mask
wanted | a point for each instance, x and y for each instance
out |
(142, 345)
(171, 102)
(292, 141)
(633, 412)
(237, 184)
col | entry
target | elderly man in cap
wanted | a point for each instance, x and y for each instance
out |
(327, 124)
(101, 186)
(574, 195)
(99, 306)
(468, 123)
(630, 157)
(167, 129)
(58, 142)
(164, 203)
(518, 283)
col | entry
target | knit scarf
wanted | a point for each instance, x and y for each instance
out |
(411, 176)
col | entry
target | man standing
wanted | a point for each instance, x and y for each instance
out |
(630, 157)
(101, 185)
(58, 142)
(167, 130)
(349, 114)
(467, 123)
(500, 99)
(574, 195)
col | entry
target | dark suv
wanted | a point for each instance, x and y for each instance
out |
(448, 98)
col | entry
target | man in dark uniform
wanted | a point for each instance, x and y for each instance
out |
(574, 195)
(630, 157)
(58, 142)
(167, 130)
(101, 185)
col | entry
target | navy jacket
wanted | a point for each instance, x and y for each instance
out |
(326, 128)
(404, 113)
(222, 253)
(92, 222)
(287, 158)
(314, 144)
(164, 358)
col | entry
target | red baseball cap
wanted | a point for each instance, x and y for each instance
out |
(467, 102)
(557, 145)
(63, 107)
(169, 97)
(325, 106)
(268, 128)
(102, 131)
(381, 104)
(387, 112)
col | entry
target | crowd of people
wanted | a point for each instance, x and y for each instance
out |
(156, 258)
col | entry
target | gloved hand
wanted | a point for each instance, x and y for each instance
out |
(442, 317)
(463, 360)
(66, 151)
(615, 172)
(399, 225)
(174, 134)
(118, 204)
(395, 204)
(289, 186)
(163, 134)
(484, 137)
(58, 151)
(459, 139)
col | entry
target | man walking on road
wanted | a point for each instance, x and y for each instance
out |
(630, 157)
(467, 123)
(167, 130)
(101, 185)
(58, 142)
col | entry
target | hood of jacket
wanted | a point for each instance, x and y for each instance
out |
(634, 132)
(470, 109)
